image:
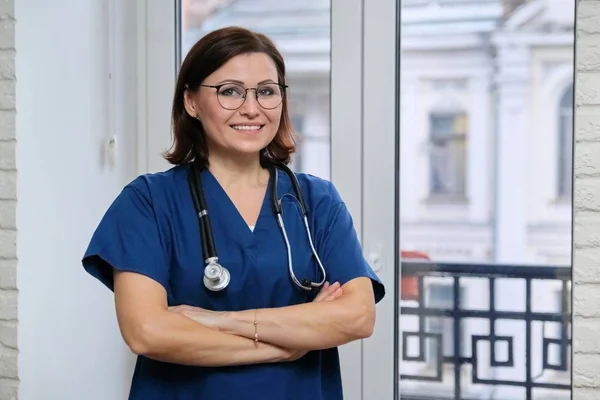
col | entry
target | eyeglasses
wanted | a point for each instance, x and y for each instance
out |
(232, 96)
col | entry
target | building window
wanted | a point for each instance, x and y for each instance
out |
(565, 144)
(448, 154)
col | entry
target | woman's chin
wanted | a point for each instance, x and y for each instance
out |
(246, 151)
(249, 148)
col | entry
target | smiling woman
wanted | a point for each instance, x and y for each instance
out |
(239, 325)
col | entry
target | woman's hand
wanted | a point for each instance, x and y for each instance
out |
(329, 292)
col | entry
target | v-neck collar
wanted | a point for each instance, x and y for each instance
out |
(221, 202)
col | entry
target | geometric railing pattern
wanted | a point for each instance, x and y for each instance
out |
(420, 271)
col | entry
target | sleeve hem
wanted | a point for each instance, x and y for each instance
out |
(100, 266)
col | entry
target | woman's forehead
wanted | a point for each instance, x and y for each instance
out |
(250, 69)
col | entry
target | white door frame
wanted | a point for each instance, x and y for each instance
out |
(363, 150)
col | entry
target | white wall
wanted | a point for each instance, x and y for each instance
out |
(69, 343)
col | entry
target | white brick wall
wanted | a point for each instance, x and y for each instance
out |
(8, 204)
(586, 267)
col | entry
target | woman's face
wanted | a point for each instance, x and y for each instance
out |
(249, 128)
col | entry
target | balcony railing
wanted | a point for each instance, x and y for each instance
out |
(485, 306)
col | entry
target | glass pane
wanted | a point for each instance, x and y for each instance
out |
(486, 133)
(301, 31)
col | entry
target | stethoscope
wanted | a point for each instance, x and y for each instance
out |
(216, 276)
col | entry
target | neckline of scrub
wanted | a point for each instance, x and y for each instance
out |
(230, 213)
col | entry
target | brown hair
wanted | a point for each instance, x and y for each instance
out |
(205, 57)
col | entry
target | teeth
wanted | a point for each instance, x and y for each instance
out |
(246, 127)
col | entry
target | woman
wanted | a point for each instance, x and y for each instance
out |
(261, 334)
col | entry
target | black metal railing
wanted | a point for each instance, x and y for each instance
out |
(454, 365)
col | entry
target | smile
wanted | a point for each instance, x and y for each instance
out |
(247, 128)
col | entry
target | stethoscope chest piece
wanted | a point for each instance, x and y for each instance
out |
(216, 277)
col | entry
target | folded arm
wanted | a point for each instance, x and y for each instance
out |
(150, 329)
(310, 326)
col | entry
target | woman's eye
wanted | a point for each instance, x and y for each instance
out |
(265, 92)
(230, 92)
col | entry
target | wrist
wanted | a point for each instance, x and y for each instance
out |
(242, 323)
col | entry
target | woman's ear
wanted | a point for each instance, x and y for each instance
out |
(189, 104)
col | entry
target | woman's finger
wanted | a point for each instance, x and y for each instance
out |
(326, 291)
(322, 293)
(335, 295)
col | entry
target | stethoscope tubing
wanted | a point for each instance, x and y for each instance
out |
(207, 240)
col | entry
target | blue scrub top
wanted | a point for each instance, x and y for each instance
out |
(151, 229)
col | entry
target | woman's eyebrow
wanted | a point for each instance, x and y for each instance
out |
(266, 81)
(243, 83)
(231, 81)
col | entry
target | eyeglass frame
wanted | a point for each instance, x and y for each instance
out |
(245, 96)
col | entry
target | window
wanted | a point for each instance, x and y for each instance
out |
(448, 153)
(485, 148)
(565, 144)
(301, 31)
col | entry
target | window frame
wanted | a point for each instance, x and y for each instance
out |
(156, 38)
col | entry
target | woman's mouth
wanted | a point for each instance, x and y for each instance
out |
(247, 128)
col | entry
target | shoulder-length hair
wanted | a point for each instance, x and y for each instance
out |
(205, 57)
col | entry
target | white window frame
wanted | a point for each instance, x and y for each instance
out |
(363, 151)
(156, 46)
(380, 189)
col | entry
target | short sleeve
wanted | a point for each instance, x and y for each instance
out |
(342, 254)
(128, 239)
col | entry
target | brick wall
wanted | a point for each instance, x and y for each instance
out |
(8, 205)
(586, 267)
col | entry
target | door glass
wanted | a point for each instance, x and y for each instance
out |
(486, 133)
(301, 31)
